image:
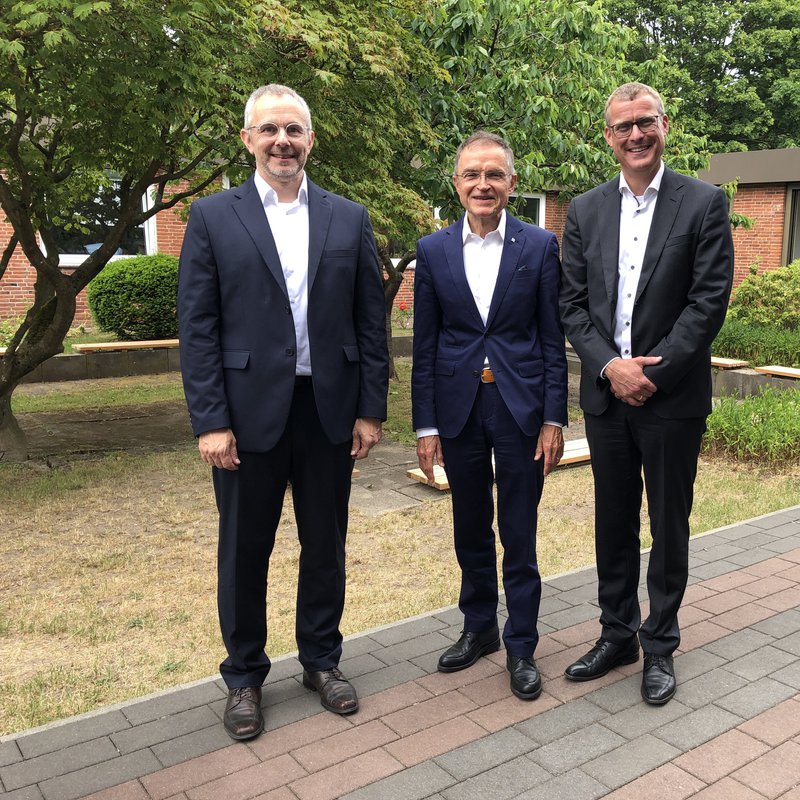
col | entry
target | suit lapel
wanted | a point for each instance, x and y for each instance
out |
(608, 225)
(512, 248)
(250, 211)
(454, 253)
(667, 205)
(319, 220)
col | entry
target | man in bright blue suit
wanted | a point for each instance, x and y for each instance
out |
(285, 369)
(490, 380)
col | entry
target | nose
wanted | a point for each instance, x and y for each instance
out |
(282, 138)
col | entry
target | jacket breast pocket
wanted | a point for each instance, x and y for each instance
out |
(351, 254)
(530, 368)
(235, 359)
(683, 239)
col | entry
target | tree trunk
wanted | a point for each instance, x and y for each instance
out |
(13, 445)
(392, 279)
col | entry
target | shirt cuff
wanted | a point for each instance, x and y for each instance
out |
(554, 424)
(603, 371)
(427, 432)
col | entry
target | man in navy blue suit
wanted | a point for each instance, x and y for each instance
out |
(285, 369)
(490, 380)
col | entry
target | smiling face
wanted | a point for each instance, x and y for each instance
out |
(639, 155)
(279, 160)
(485, 196)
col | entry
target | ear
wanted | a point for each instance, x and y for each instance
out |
(608, 136)
(665, 121)
(244, 134)
(513, 181)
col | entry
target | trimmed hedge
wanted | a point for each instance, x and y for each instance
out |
(757, 344)
(771, 298)
(136, 298)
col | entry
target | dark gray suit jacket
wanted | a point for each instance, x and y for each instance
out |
(680, 302)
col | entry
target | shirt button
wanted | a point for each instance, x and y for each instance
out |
(626, 352)
(629, 294)
(627, 323)
(632, 267)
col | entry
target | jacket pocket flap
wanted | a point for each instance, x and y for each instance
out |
(445, 367)
(529, 368)
(351, 352)
(235, 359)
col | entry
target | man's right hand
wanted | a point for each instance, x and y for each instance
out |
(218, 449)
(628, 381)
(429, 451)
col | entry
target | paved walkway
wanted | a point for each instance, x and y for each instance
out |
(731, 733)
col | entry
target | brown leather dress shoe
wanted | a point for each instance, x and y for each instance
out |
(243, 716)
(336, 693)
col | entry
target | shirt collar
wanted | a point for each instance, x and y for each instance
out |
(466, 231)
(269, 197)
(655, 184)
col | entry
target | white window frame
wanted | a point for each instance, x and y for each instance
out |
(542, 198)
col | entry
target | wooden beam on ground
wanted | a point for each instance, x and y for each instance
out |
(103, 347)
(576, 451)
(779, 372)
(727, 363)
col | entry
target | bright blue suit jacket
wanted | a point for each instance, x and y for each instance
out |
(522, 338)
(237, 336)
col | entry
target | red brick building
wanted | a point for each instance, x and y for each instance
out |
(769, 192)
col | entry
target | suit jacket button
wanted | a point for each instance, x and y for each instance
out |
(476, 374)
(289, 351)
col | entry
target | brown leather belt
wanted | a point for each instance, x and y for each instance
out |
(487, 376)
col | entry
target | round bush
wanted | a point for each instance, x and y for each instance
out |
(136, 298)
(771, 298)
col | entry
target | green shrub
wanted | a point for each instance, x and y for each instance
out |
(763, 427)
(771, 298)
(136, 298)
(8, 327)
(757, 344)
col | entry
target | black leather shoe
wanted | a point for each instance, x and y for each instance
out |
(658, 679)
(526, 682)
(603, 657)
(336, 693)
(243, 717)
(468, 649)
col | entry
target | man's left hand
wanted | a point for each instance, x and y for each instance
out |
(366, 434)
(551, 446)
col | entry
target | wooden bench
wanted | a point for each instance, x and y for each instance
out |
(779, 372)
(727, 363)
(105, 347)
(576, 451)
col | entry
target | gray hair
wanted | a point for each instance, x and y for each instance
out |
(275, 90)
(630, 91)
(484, 137)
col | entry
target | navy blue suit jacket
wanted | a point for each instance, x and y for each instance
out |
(237, 336)
(522, 338)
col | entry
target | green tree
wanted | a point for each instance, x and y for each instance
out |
(734, 65)
(141, 94)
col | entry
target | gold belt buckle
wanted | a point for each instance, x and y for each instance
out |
(487, 376)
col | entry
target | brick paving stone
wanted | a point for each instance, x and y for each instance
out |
(406, 630)
(411, 648)
(753, 556)
(427, 662)
(357, 644)
(60, 736)
(508, 780)
(428, 712)
(388, 701)
(689, 615)
(731, 580)
(756, 697)
(581, 634)
(701, 634)
(574, 749)
(99, 776)
(442, 682)
(172, 702)
(769, 566)
(293, 710)
(580, 594)
(695, 662)
(191, 745)
(743, 616)
(346, 776)
(769, 521)
(35, 770)
(697, 591)
(450, 616)
(571, 616)
(28, 793)
(616, 696)
(510, 710)
(441, 738)
(353, 668)
(9, 753)
(668, 782)
(560, 721)
(131, 790)
(698, 727)
(488, 690)
(707, 688)
(739, 643)
(548, 645)
(777, 724)
(783, 546)
(161, 730)
(281, 793)
(569, 786)
(762, 662)
(388, 677)
(284, 667)
(570, 580)
(791, 643)
(767, 586)
(791, 574)
(321, 754)
(410, 784)
(780, 625)
(243, 784)
(642, 718)
(554, 603)
(728, 789)
(197, 771)
(714, 568)
(720, 756)
(630, 761)
(789, 675)
(297, 734)
(773, 773)
(724, 601)
(484, 754)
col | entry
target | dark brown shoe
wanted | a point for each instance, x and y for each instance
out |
(336, 693)
(243, 716)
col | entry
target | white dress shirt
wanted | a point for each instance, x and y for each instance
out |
(289, 225)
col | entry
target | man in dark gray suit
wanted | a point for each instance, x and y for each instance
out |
(285, 368)
(647, 268)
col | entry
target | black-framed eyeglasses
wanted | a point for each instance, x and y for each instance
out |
(491, 175)
(294, 130)
(622, 130)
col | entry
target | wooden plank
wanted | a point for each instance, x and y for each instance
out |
(102, 347)
(576, 451)
(779, 372)
(727, 363)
